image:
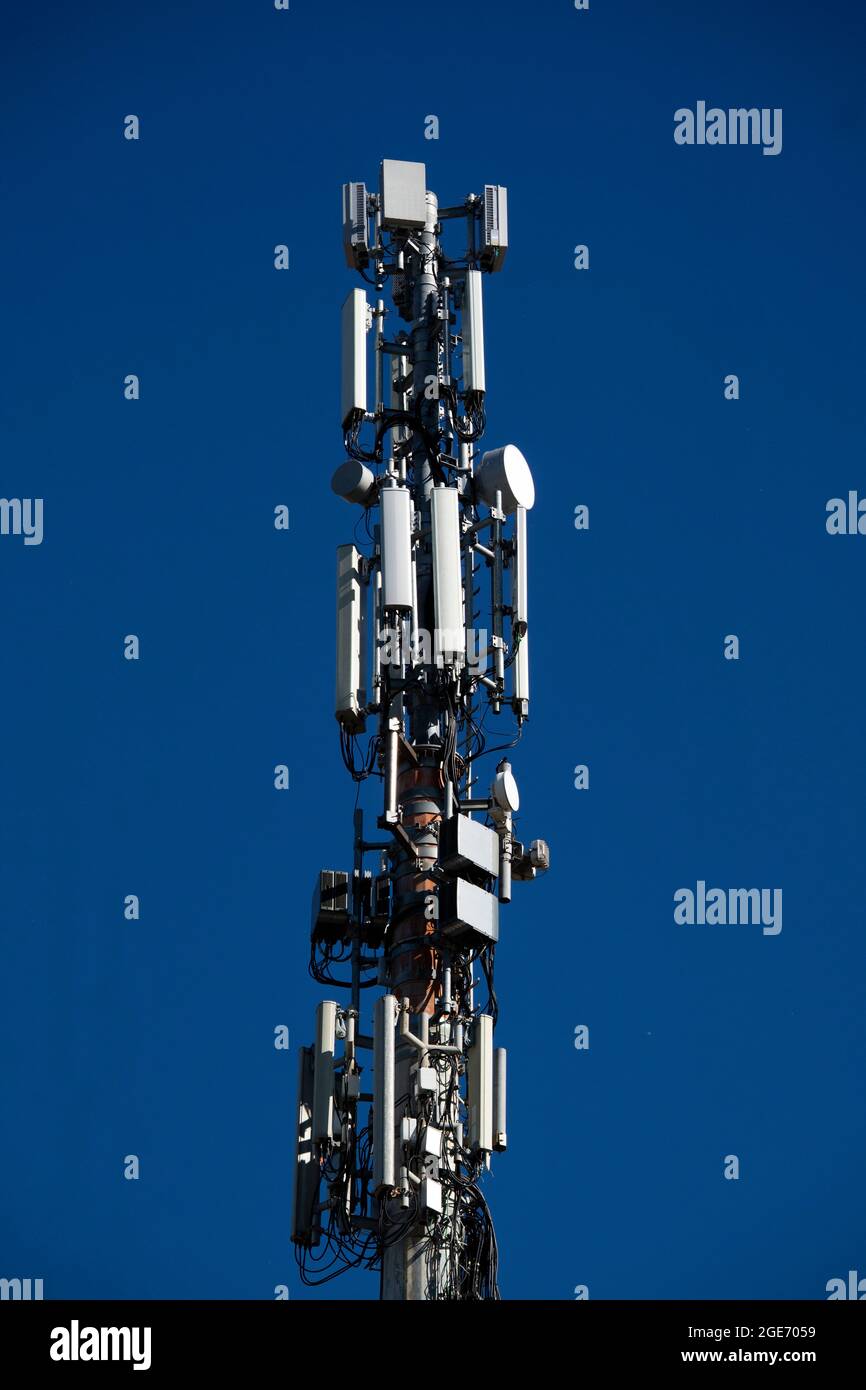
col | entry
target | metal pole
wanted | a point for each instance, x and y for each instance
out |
(414, 964)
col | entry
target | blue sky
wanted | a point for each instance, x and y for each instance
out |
(706, 518)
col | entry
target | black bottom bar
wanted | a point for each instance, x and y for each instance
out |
(304, 1337)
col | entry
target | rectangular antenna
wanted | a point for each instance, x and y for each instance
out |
(473, 334)
(449, 638)
(519, 629)
(323, 1072)
(479, 1085)
(353, 400)
(500, 1072)
(384, 1021)
(396, 541)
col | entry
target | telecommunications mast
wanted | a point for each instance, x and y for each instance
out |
(397, 1124)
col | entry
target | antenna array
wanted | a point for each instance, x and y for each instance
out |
(396, 1126)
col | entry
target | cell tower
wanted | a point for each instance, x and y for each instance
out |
(397, 1124)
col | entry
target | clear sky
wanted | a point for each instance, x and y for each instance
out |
(707, 518)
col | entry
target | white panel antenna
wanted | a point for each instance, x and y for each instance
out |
(396, 503)
(450, 633)
(473, 334)
(355, 319)
(384, 1020)
(479, 1085)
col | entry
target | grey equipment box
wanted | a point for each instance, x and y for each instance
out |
(403, 189)
(467, 914)
(468, 848)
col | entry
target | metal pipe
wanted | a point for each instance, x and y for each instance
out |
(423, 1046)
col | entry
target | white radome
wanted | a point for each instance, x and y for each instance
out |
(506, 471)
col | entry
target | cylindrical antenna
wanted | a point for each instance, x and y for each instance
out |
(397, 595)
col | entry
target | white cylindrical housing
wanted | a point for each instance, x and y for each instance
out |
(500, 1135)
(353, 481)
(396, 503)
(449, 643)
